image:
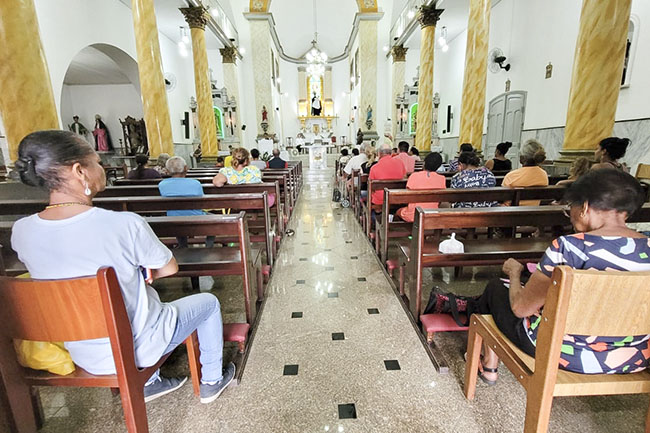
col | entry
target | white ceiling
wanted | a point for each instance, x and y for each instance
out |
(294, 24)
(91, 66)
(454, 18)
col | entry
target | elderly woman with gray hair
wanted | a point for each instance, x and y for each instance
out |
(161, 163)
(530, 174)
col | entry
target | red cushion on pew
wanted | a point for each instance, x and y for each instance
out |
(235, 332)
(392, 264)
(266, 270)
(372, 235)
(441, 323)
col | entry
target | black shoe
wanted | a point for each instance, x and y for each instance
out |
(162, 386)
(209, 393)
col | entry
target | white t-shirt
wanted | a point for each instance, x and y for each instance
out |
(259, 164)
(355, 163)
(79, 246)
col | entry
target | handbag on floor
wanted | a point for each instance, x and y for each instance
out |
(448, 303)
(336, 195)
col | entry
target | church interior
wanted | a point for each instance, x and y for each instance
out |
(324, 216)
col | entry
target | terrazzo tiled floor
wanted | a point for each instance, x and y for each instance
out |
(334, 352)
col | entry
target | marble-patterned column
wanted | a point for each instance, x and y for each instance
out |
(230, 81)
(197, 19)
(597, 72)
(399, 70)
(27, 102)
(262, 67)
(472, 112)
(428, 18)
(152, 81)
(368, 74)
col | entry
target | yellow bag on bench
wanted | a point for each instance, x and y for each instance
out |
(43, 355)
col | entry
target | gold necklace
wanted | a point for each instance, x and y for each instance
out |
(72, 203)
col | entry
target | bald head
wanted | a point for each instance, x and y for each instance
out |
(276, 152)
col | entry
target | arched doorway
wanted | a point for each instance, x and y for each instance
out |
(101, 79)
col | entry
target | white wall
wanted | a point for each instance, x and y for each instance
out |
(68, 26)
(109, 101)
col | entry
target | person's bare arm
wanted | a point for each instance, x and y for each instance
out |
(169, 269)
(219, 180)
(527, 300)
(489, 165)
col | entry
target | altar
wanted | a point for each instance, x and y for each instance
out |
(317, 156)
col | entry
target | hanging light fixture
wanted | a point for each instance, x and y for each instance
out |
(442, 40)
(184, 42)
(316, 58)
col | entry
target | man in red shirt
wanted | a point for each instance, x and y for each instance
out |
(403, 155)
(386, 168)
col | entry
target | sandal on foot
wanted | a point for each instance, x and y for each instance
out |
(482, 369)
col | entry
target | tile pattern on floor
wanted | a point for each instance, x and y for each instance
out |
(377, 378)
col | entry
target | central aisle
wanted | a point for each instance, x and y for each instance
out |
(332, 315)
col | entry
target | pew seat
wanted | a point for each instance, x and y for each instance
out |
(437, 322)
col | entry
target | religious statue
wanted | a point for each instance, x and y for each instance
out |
(102, 136)
(78, 127)
(315, 105)
(265, 114)
(369, 121)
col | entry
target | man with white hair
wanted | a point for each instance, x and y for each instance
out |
(387, 168)
(355, 162)
(180, 186)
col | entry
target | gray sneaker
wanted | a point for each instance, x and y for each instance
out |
(162, 386)
(209, 393)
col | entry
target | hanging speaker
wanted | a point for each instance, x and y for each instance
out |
(450, 117)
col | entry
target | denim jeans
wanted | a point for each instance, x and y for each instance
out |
(201, 312)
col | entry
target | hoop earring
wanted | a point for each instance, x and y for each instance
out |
(87, 191)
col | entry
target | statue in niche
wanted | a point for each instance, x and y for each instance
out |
(315, 105)
(265, 114)
(369, 121)
(135, 136)
(102, 136)
(78, 127)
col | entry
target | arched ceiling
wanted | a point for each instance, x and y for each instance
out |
(93, 65)
(264, 5)
(294, 24)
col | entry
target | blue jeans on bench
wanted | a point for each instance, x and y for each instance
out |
(201, 312)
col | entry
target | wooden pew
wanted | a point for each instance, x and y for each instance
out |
(149, 205)
(253, 188)
(367, 207)
(420, 253)
(397, 198)
(285, 196)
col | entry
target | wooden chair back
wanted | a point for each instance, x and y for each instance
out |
(72, 310)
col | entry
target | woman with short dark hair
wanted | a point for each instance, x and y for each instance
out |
(70, 238)
(425, 179)
(600, 202)
(472, 176)
(610, 150)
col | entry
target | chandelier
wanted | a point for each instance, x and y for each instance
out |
(316, 58)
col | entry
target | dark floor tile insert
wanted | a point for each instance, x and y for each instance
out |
(347, 411)
(361, 278)
(392, 364)
(354, 257)
(329, 268)
(348, 242)
(373, 311)
(296, 315)
(338, 336)
(305, 243)
(300, 281)
(302, 259)
(290, 370)
(333, 295)
(328, 249)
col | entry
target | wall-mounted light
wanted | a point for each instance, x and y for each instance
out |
(385, 48)
(278, 80)
(242, 50)
(445, 48)
(411, 14)
(214, 12)
(184, 42)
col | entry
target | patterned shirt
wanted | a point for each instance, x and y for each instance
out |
(248, 174)
(477, 178)
(594, 354)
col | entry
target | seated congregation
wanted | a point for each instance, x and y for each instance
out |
(530, 235)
